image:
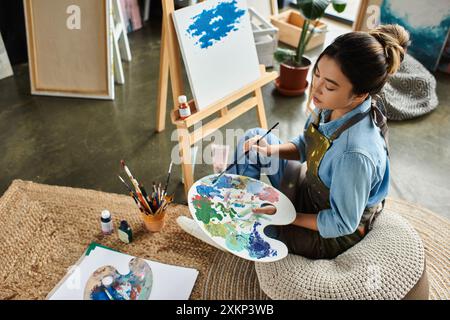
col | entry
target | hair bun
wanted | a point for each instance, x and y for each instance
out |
(394, 39)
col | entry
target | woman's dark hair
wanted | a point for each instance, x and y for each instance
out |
(367, 59)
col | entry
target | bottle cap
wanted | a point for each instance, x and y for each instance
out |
(124, 225)
(182, 99)
(106, 214)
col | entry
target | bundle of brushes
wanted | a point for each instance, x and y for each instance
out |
(149, 204)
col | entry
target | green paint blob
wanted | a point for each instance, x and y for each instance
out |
(237, 241)
(204, 210)
(217, 230)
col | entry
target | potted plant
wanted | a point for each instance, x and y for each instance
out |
(294, 66)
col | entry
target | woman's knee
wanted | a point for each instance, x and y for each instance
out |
(270, 138)
(254, 132)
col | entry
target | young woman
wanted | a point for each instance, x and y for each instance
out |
(343, 180)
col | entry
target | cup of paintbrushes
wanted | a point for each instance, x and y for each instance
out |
(154, 222)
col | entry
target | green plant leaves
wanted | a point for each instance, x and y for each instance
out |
(312, 9)
(284, 55)
(339, 5)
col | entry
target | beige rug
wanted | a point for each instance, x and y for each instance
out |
(45, 229)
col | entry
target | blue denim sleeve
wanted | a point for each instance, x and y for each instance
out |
(299, 141)
(349, 192)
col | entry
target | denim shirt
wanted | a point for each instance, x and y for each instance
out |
(355, 169)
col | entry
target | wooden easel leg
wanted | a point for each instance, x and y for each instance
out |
(118, 68)
(186, 158)
(224, 111)
(124, 45)
(161, 107)
(194, 151)
(260, 109)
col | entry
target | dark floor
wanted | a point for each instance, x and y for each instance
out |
(79, 142)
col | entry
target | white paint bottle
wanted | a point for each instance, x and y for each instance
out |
(106, 222)
(184, 108)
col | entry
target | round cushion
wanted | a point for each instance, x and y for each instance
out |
(386, 264)
(410, 92)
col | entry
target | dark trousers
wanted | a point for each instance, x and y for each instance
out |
(306, 242)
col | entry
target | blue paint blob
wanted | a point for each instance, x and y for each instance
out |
(224, 182)
(254, 187)
(258, 248)
(214, 24)
(99, 293)
(208, 192)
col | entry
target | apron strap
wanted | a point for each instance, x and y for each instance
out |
(378, 118)
(352, 121)
(380, 121)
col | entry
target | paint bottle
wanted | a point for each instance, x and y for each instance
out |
(125, 232)
(106, 222)
(184, 108)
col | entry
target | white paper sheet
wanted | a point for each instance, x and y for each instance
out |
(169, 282)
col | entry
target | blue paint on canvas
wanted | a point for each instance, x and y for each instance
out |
(213, 25)
(427, 41)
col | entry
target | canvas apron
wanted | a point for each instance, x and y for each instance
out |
(303, 186)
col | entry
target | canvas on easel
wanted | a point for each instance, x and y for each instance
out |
(70, 48)
(214, 116)
(219, 53)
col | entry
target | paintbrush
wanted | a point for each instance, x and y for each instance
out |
(144, 193)
(245, 154)
(131, 192)
(159, 193)
(168, 177)
(136, 186)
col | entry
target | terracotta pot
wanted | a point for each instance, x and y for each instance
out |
(292, 79)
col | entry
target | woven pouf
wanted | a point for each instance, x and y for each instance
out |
(389, 263)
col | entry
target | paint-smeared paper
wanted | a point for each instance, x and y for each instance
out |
(223, 209)
(168, 282)
(106, 283)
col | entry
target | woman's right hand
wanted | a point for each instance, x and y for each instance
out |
(262, 147)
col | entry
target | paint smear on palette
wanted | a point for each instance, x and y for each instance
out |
(106, 283)
(208, 191)
(254, 187)
(268, 194)
(204, 209)
(213, 25)
(229, 182)
(258, 248)
(225, 208)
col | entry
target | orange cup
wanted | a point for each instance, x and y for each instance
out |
(154, 223)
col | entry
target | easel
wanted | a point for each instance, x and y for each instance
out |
(170, 61)
(121, 46)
